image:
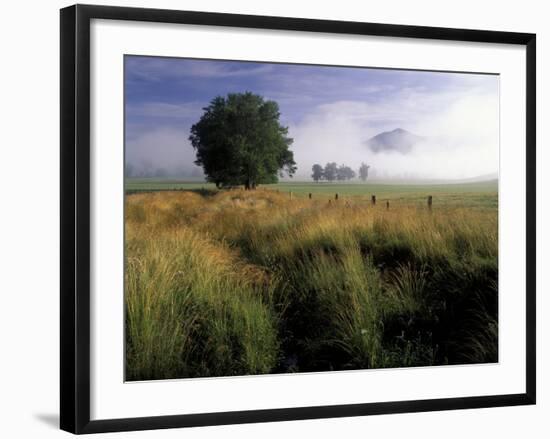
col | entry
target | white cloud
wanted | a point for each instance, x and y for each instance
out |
(461, 131)
(162, 150)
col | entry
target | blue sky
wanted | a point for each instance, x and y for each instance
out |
(330, 112)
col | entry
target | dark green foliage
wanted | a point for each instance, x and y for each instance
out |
(331, 171)
(318, 172)
(344, 173)
(239, 141)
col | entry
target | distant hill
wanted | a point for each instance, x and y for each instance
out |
(398, 140)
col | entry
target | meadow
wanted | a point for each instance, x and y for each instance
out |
(236, 282)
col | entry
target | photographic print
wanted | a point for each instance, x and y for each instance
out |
(291, 218)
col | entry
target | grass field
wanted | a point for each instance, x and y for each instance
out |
(248, 282)
(479, 194)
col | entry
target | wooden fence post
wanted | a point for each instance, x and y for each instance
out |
(290, 193)
(373, 200)
(336, 197)
(387, 205)
(310, 195)
(430, 202)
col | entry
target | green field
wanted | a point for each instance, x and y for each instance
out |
(473, 195)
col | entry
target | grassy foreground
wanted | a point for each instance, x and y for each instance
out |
(237, 282)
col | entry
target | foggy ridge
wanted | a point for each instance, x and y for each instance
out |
(398, 140)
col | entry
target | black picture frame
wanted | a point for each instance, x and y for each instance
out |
(75, 217)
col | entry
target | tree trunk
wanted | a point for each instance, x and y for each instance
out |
(249, 184)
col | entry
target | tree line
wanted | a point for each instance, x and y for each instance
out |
(331, 172)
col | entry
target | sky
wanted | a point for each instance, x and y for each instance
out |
(330, 112)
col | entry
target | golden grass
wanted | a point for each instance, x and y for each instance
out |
(242, 282)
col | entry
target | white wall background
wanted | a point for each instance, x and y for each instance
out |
(29, 206)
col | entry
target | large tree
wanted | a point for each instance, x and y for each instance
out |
(239, 141)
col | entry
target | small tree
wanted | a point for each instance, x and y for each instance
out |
(331, 171)
(317, 172)
(364, 171)
(345, 173)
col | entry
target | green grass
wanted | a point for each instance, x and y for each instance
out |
(155, 184)
(479, 194)
(159, 184)
(247, 282)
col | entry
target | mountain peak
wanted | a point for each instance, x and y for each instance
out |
(398, 140)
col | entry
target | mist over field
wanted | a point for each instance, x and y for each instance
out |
(332, 113)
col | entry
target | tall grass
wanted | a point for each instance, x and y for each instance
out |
(193, 309)
(236, 282)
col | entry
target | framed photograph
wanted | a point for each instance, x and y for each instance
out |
(268, 219)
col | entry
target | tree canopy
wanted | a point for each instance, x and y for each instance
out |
(344, 173)
(331, 171)
(239, 141)
(318, 172)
